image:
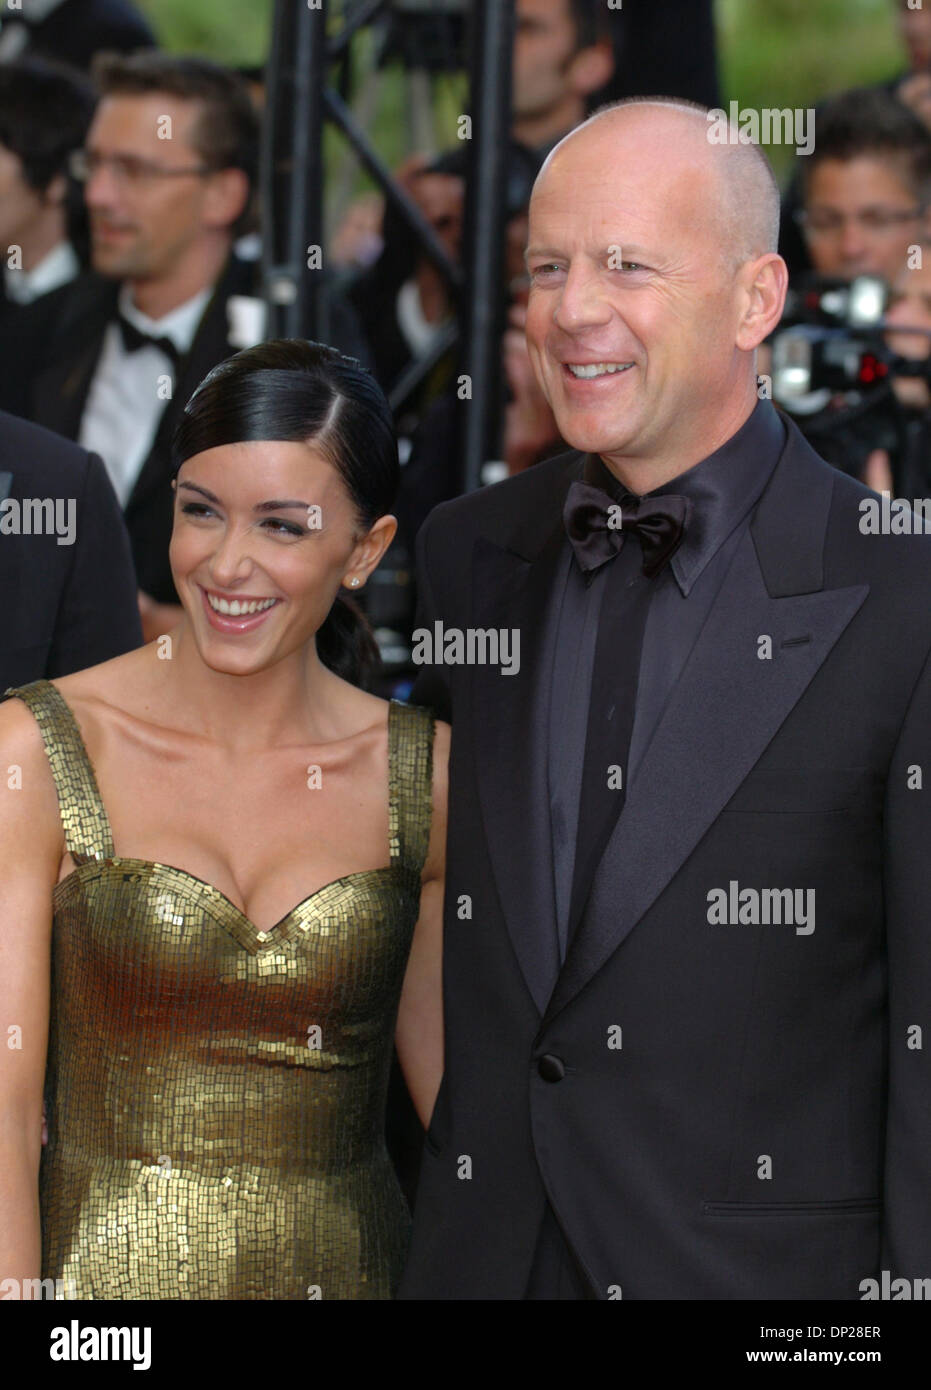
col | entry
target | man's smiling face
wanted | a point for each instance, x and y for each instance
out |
(628, 267)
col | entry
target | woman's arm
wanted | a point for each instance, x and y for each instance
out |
(31, 848)
(419, 1034)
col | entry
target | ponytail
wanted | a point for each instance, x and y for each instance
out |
(346, 643)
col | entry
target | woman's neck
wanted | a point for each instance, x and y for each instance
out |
(298, 699)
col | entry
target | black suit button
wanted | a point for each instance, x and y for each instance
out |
(551, 1068)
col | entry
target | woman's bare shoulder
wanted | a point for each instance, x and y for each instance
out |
(116, 681)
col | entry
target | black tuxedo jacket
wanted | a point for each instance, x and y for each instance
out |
(65, 606)
(53, 353)
(728, 1111)
(48, 355)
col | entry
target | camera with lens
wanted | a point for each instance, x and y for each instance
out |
(833, 371)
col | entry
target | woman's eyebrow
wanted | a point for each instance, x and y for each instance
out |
(279, 506)
(276, 505)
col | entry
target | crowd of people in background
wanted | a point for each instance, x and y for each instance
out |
(131, 238)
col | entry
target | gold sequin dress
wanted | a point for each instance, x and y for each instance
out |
(216, 1094)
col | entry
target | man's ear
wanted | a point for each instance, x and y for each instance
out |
(228, 194)
(767, 282)
(56, 190)
(592, 67)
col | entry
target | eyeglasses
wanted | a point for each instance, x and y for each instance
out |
(128, 169)
(876, 221)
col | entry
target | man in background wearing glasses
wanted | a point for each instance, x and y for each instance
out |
(865, 192)
(167, 168)
(866, 186)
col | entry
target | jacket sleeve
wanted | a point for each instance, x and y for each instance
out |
(98, 617)
(906, 1244)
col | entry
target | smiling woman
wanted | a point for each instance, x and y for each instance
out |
(254, 931)
(299, 411)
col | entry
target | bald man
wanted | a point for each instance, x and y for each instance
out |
(687, 954)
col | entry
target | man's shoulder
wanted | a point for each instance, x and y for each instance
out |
(871, 535)
(507, 500)
(66, 315)
(39, 453)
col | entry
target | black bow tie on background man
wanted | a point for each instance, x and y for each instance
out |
(134, 339)
(597, 525)
(598, 534)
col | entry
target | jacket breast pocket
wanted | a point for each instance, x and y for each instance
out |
(805, 791)
(850, 1206)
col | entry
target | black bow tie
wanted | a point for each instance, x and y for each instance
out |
(134, 339)
(597, 525)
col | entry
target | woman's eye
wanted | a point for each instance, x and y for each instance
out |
(279, 527)
(197, 509)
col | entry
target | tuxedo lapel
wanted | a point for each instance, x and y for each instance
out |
(59, 392)
(77, 317)
(514, 588)
(725, 709)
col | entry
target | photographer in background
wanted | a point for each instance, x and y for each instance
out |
(866, 186)
(909, 309)
(866, 190)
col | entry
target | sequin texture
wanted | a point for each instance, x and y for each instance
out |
(215, 1094)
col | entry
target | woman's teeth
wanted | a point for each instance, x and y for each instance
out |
(597, 368)
(238, 609)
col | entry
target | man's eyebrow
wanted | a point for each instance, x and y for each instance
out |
(539, 251)
(627, 249)
(276, 505)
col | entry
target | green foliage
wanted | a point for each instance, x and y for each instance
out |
(794, 53)
(231, 31)
(771, 53)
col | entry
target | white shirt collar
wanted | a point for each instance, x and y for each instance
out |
(57, 268)
(418, 330)
(179, 325)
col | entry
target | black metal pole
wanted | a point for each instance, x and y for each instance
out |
(484, 233)
(292, 173)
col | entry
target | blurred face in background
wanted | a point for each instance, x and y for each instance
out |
(915, 29)
(910, 307)
(544, 46)
(861, 217)
(23, 207)
(148, 205)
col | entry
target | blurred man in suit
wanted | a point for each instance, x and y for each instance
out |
(111, 359)
(686, 945)
(66, 573)
(168, 170)
(45, 112)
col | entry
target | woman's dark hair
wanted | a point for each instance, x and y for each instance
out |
(297, 391)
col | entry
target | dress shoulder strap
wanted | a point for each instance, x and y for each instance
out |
(83, 818)
(410, 783)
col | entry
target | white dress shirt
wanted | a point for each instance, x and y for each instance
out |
(57, 268)
(416, 329)
(130, 390)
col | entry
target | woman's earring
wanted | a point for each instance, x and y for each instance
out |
(354, 581)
